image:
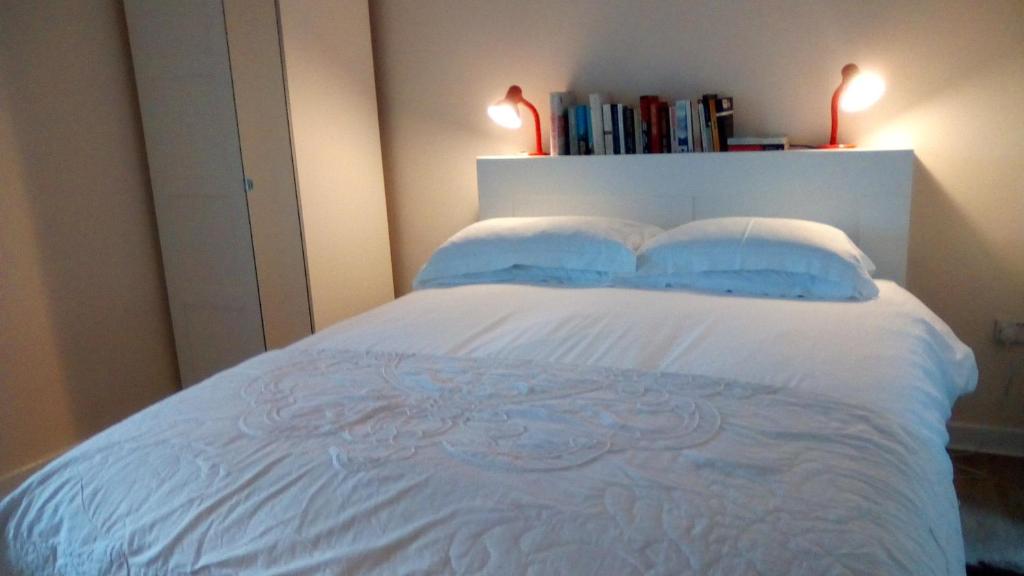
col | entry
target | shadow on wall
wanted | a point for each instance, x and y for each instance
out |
(85, 317)
(948, 260)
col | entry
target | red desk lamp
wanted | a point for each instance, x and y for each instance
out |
(858, 91)
(505, 112)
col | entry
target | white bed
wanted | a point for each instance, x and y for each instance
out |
(508, 429)
(817, 446)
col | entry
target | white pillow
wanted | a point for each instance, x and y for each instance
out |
(539, 250)
(760, 256)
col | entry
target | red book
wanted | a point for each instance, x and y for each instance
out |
(645, 124)
(655, 130)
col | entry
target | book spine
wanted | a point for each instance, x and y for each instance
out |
(654, 133)
(606, 122)
(574, 143)
(585, 124)
(666, 126)
(620, 138)
(705, 131)
(583, 130)
(596, 124)
(695, 125)
(712, 100)
(638, 131)
(776, 142)
(559, 134)
(673, 119)
(682, 136)
(746, 147)
(644, 145)
(613, 121)
(724, 121)
(629, 122)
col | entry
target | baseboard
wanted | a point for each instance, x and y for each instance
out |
(975, 438)
(10, 481)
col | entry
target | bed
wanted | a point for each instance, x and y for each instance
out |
(503, 428)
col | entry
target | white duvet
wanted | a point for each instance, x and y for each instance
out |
(511, 429)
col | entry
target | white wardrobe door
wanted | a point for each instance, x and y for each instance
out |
(333, 106)
(180, 56)
(254, 45)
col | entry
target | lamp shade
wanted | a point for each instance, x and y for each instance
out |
(505, 112)
(861, 92)
(857, 91)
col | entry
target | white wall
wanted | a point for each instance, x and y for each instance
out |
(85, 337)
(956, 81)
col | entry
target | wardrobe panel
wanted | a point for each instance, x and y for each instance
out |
(260, 104)
(333, 109)
(180, 56)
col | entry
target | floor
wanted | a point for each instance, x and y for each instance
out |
(991, 493)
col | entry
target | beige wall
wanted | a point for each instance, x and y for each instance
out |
(956, 83)
(85, 336)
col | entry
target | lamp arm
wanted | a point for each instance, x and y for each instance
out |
(539, 150)
(834, 138)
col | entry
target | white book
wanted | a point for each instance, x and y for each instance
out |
(560, 103)
(606, 122)
(682, 126)
(695, 126)
(597, 122)
(574, 145)
(622, 128)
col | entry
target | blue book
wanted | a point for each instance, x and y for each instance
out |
(684, 126)
(585, 144)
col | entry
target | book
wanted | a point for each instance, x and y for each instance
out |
(638, 132)
(673, 118)
(613, 121)
(597, 123)
(644, 145)
(606, 121)
(705, 132)
(574, 143)
(711, 101)
(559, 133)
(682, 126)
(619, 113)
(666, 124)
(747, 144)
(629, 123)
(584, 138)
(654, 131)
(695, 126)
(724, 121)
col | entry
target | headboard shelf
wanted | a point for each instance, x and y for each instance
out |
(866, 193)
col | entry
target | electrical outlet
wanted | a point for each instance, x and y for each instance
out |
(1009, 332)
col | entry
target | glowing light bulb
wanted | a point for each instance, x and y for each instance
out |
(505, 114)
(861, 92)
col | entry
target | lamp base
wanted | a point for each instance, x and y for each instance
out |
(836, 146)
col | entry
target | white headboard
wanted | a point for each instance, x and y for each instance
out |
(864, 193)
